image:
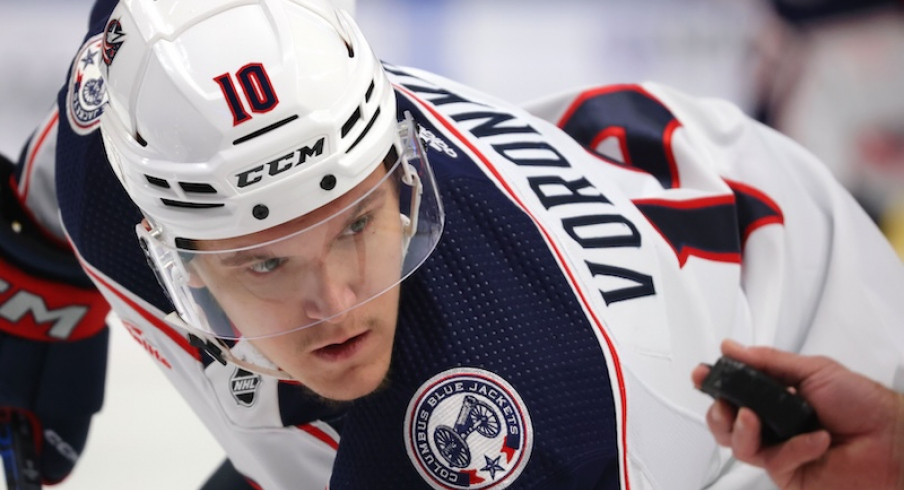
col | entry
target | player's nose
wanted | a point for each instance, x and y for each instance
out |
(328, 298)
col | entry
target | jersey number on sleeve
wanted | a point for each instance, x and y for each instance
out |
(625, 125)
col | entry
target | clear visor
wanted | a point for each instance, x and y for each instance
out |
(315, 268)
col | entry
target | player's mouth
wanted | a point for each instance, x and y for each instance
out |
(343, 350)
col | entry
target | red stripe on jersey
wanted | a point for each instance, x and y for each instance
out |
(700, 202)
(320, 434)
(619, 134)
(777, 218)
(150, 317)
(669, 154)
(563, 264)
(253, 483)
(569, 113)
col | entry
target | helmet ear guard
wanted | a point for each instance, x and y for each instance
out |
(411, 149)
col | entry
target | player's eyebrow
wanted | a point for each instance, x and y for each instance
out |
(244, 257)
(366, 202)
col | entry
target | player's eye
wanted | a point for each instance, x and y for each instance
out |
(358, 226)
(267, 265)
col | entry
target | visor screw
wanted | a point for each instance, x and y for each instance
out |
(260, 211)
(328, 182)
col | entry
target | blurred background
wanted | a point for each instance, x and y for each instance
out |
(826, 72)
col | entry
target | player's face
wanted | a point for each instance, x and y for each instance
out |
(320, 278)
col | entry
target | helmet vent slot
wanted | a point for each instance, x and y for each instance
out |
(264, 130)
(157, 181)
(197, 187)
(370, 91)
(365, 130)
(350, 123)
(190, 205)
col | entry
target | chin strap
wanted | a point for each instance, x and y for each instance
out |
(207, 346)
(243, 354)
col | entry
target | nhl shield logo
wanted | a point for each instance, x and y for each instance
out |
(87, 92)
(467, 428)
(243, 385)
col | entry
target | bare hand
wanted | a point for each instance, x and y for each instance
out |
(860, 445)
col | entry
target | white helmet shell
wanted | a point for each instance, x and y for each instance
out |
(227, 117)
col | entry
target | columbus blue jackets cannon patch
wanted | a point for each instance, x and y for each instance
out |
(87, 92)
(467, 428)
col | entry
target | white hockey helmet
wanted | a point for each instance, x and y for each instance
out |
(227, 117)
(232, 118)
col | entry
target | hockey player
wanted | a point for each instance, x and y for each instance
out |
(374, 277)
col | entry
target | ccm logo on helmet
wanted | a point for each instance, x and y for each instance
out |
(280, 165)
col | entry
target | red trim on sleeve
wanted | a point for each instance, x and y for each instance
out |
(320, 434)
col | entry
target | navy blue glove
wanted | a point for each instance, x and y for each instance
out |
(53, 342)
(62, 385)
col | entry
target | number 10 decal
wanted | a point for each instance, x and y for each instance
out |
(255, 85)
